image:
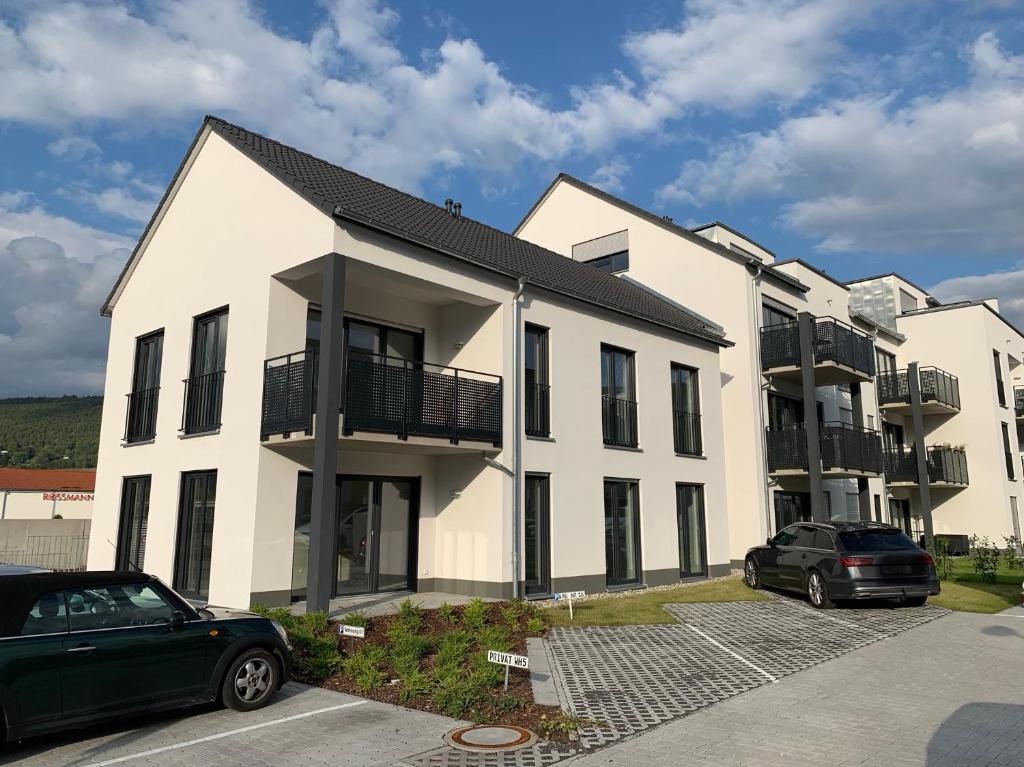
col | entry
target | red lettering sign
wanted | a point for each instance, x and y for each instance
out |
(67, 496)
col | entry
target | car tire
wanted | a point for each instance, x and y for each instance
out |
(751, 574)
(817, 591)
(915, 601)
(252, 679)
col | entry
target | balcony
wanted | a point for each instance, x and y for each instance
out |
(140, 420)
(940, 391)
(947, 467)
(841, 354)
(846, 451)
(385, 395)
(1018, 402)
(618, 422)
(203, 398)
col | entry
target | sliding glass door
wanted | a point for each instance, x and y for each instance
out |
(622, 532)
(692, 536)
(195, 534)
(537, 538)
(131, 535)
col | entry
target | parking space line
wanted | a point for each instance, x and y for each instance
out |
(218, 736)
(736, 655)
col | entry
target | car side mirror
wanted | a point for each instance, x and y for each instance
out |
(770, 542)
(177, 620)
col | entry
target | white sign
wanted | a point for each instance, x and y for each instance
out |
(568, 595)
(352, 631)
(508, 659)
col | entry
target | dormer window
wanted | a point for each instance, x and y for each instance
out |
(616, 262)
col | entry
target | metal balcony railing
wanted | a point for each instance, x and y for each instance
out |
(204, 396)
(140, 419)
(946, 465)
(844, 447)
(687, 433)
(388, 395)
(618, 422)
(538, 409)
(937, 386)
(901, 465)
(833, 341)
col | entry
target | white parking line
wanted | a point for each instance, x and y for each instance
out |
(737, 656)
(218, 736)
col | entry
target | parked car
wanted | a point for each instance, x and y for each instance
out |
(843, 560)
(80, 647)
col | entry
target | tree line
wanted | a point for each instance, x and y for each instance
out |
(50, 432)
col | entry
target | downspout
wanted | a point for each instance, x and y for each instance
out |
(517, 430)
(755, 305)
(3, 509)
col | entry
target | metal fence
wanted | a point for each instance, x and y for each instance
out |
(65, 553)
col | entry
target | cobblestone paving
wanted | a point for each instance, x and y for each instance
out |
(633, 678)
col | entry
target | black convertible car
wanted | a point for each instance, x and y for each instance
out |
(843, 560)
(80, 647)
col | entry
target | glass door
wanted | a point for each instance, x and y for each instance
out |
(131, 537)
(195, 534)
(622, 532)
(355, 498)
(692, 539)
(537, 538)
(377, 526)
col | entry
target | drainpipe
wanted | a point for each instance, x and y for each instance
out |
(755, 284)
(3, 509)
(517, 430)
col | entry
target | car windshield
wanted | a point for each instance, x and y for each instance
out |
(876, 540)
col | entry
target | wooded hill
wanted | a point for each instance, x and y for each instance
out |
(37, 432)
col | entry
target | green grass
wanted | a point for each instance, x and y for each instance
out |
(645, 607)
(965, 592)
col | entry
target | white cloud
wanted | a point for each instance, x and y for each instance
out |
(73, 147)
(122, 202)
(609, 176)
(1007, 286)
(22, 216)
(937, 174)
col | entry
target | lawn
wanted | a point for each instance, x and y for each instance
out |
(645, 607)
(966, 592)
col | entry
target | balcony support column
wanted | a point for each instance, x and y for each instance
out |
(863, 489)
(805, 325)
(914, 382)
(330, 383)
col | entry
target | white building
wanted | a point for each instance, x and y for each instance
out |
(46, 493)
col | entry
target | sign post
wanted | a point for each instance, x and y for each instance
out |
(508, 660)
(569, 596)
(352, 631)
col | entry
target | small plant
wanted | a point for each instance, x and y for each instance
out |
(409, 615)
(517, 610)
(413, 684)
(365, 667)
(943, 562)
(452, 649)
(563, 724)
(315, 654)
(536, 625)
(447, 613)
(474, 615)
(985, 558)
(509, 703)
(355, 619)
(494, 638)
(1012, 553)
(455, 693)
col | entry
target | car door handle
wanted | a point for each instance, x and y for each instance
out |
(82, 648)
(803, 556)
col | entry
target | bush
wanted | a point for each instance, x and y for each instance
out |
(943, 562)
(410, 616)
(985, 558)
(536, 625)
(494, 638)
(1011, 554)
(447, 613)
(452, 649)
(455, 692)
(315, 654)
(474, 615)
(365, 667)
(355, 619)
(412, 684)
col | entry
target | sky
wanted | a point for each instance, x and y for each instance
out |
(860, 135)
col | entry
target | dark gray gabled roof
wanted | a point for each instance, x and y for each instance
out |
(348, 196)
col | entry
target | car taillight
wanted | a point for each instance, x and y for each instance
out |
(927, 559)
(856, 561)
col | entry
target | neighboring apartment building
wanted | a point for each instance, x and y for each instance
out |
(337, 388)
(46, 493)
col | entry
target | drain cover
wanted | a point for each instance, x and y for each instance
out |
(490, 737)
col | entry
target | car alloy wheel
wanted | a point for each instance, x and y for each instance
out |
(253, 680)
(750, 575)
(817, 592)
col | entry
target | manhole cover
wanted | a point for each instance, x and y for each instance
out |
(490, 737)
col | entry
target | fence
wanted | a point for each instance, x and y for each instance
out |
(54, 544)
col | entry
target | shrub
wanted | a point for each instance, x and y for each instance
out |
(452, 649)
(410, 616)
(455, 692)
(1011, 554)
(474, 615)
(985, 558)
(509, 703)
(562, 723)
(365, 667)
(493, 638)
(412, 684)
(943, 562)
(315, 654)
(485, 673)
(447, 613)
(355, 619)
(536, 625)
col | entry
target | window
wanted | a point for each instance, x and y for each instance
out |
(852, 507)
(846, 415)
(772, 316)
(622, 532)
(827, 501)
(786, 537)
(791, 507)
(1006, 450)
(804, 538)
(686, 410)
(875, 540)
(1000, 389)
(537, 538)
(142, 401)
(616, 262)
(892, 437)
(536, 382)
(300, 539)
(116, 607)
(618, 397)
(690, 525)
(871, 421)
(784, 412)
(131, 536)
(48, 616)
(204, 389)
(823, 541)
(195, 534)
(884, 362)
(878, 508)
(907, 302)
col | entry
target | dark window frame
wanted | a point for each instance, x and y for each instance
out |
(1000, 386)
(144, 397)
(182, 537)
(686, 423)
(702, 533)
(131, 538)
(612, 567)
(204, 389)
(619, 421)
(543, 587)
(1008, 450)
(612, 263)
(537, 393)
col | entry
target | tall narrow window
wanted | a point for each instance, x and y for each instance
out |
(884, 362)
(770, 316)
(131, 534)
(204, 388)
(1015, 520)
(1000, 389)
(686, 411)
(692, 537)
(622, 532)
(618, 397)
(537, 538)
(878, 508)
(140, 425)
(1007, 451)
(195, 534)
(536, 382)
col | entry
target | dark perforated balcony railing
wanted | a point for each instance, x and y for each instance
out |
(833, 341)
(204, 396)
(937, 387)
(844, 447)
(387, 395)
(946, 465)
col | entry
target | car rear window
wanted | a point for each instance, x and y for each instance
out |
(876, 540)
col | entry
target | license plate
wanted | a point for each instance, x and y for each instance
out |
(899, 569)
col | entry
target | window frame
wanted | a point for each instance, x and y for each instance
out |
(617, 262)
(694, 435)
(124, 533)
(541, 395)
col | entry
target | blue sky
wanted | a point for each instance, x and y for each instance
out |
(860, 135)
